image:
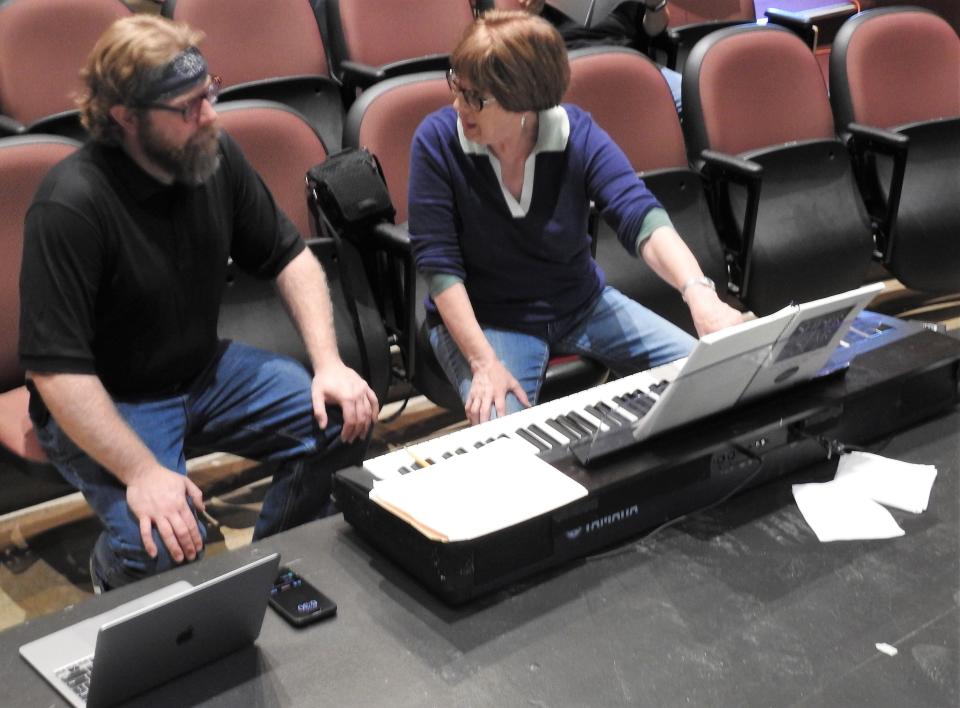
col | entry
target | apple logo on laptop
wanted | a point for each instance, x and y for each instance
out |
(186, 635)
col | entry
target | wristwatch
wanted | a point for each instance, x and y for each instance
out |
(657, 6)
(701, 280)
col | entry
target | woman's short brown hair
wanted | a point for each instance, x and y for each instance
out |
(518, 58)
(125, 60)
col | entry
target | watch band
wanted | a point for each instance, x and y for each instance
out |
(699, 280)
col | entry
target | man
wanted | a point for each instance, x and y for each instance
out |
(126, 245)
(630, 24)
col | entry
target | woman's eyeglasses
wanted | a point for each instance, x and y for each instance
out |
(471, 96)
(190, 111)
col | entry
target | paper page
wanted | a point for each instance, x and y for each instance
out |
(839, 514)
(902, 485)
(468, 496)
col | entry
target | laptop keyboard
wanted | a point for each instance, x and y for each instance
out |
(77, 676)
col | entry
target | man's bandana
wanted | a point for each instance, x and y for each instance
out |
(184, 71)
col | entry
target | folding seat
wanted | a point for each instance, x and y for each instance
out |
(895, 91)
(25, 475)
(383, 120)
(755, 101)
(372, 40)
(282, 145)
(271, 51)
(628, 97)
(43, 45)
(691, 20)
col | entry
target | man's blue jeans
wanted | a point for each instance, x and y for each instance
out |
(621, 334)
(248, 402)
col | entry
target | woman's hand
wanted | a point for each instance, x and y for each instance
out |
(491, 384)
(709, 312)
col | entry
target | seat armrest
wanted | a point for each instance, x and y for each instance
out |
(719, 169)
(671, 40)
(730, 166)
(864, 142)
(392, 238)
(802, 26)
(394, 241)
(9, 126)
(355, 75)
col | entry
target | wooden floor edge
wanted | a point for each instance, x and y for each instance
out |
(16, 527)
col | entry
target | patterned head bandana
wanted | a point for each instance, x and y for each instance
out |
(182, 73)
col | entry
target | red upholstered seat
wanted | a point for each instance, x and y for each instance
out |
(756, 93)
(25, 475)
(372, 40)
(43, 44)
(268, 50)
(898, 69)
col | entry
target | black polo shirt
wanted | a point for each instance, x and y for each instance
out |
(122, 275)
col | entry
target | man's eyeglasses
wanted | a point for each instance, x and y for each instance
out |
(471, 96)
(190, 111)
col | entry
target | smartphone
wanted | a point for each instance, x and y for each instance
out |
(297, 601)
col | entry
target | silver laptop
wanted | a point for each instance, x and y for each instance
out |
(754, 359)
(146, 642)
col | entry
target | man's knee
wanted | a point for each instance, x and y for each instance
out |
(119, 561)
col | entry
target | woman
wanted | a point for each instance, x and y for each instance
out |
(500, 192)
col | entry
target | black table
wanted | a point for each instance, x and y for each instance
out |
(739, 605)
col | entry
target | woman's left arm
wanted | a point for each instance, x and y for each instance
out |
(670, 258)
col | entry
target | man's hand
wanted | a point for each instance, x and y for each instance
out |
(158, 497)
(491, 384)
(709, 312)
(345, 387)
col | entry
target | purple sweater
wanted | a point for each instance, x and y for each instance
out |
(528, 263)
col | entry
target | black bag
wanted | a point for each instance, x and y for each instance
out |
(349, 189)
(347, 195)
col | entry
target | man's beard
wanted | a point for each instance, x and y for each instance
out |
(191, 163)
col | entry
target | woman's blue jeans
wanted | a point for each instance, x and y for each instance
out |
(621, 334)
(249, 402)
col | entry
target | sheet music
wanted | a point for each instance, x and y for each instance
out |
(468, 496)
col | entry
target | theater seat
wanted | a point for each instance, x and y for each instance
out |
(372, 40)
(755, 102)
(282, 145)
(43, 45)
(270, 51)
(628, 97)
(25, 475)
(692, 20)
(895, 80)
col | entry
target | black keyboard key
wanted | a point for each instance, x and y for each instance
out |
(565, 430)
(574, 425)
(659, 387)
(404, 470)
(460, 451)
(533, 440)
(599, 414)
(611, 413)
(544, 435)
(583, 422)
(447, 455)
